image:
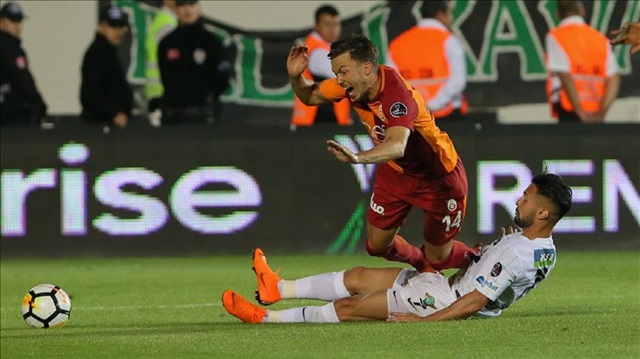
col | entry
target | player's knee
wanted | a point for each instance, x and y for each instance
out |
(345, 308)
(353, 279)
(438, 250)
(375, 249)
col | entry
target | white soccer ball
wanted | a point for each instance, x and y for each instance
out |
(46, 306)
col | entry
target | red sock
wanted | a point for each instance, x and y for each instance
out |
(459, 257)
(400, 251)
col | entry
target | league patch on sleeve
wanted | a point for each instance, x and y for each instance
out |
(496, 270)
(398, 109)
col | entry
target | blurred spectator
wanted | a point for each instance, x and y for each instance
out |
(628, 34)
(583, 73)
(432, 59)
(105, 94)
(164, 21)
(20, 100)
(327, 29)
(193, 67)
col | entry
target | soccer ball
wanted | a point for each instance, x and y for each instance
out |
(46, 306)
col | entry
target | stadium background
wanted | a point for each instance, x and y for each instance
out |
(256, 183)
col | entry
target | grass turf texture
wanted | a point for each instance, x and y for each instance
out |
(170, 308)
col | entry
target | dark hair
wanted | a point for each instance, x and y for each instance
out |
(359, 47)
(568, 7)
(431, 8)
(552, 186)
(326, 9)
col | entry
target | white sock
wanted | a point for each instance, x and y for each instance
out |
(313, 314)
(326, 286)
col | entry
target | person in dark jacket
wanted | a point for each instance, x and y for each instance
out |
(193, 68)
(20, 100)
(105, 94)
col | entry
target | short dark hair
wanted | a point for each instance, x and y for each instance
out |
(326, 9)
(359, 47)
(553, 187)
(568, 7)
(431, 8)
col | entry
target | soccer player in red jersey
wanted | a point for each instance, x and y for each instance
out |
(418, 164)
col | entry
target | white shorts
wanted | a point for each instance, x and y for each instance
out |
(419, 293)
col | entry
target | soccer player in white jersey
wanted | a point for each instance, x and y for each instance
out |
(504, 272)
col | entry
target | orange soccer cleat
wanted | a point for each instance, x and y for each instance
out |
(240, 308)
(267, 292)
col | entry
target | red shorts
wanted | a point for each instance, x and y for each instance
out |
(443, 201)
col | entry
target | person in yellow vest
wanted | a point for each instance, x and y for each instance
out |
(164, 21)
(432, 59)
(327, 29)
(583, 76)
(628, 34)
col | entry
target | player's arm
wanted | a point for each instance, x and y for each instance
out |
(612, 85)
(464, 307)
(569, 86)
(391, 149)
(307, 91)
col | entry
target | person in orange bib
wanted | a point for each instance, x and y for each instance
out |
(327, 30)
(432, 59)
(583, 77)
(418, 163)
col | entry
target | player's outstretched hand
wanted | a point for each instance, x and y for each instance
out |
(403, 317)
(298, 60)
(340, 152)
(629, 33)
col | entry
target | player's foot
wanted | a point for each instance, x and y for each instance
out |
(267, 292)
(241, 308)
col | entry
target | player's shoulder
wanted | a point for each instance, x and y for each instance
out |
(395, 87)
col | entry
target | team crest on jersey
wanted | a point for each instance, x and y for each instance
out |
(452, 205)
(427, 302)
(199, 56)
(496, 270)
(398, 109)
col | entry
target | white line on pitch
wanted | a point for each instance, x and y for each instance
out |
(139, 307)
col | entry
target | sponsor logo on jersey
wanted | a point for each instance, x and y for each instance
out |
(427, 302)
(486, 283)
(496, 270)
(199, 56)
(376, 207)
(398, 109)
(544, 258)
(452, 205)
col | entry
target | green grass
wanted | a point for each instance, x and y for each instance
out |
(170, 308)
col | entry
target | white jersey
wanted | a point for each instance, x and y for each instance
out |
(506, 270)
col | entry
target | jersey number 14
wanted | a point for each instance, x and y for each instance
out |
(457, 221)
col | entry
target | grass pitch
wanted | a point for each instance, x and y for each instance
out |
(170, 308)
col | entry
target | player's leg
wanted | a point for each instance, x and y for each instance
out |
(324, 286)
(443, 220)
(337, 285)
(370, 306)
(386, 214)
(386, 244)
(421, 294)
